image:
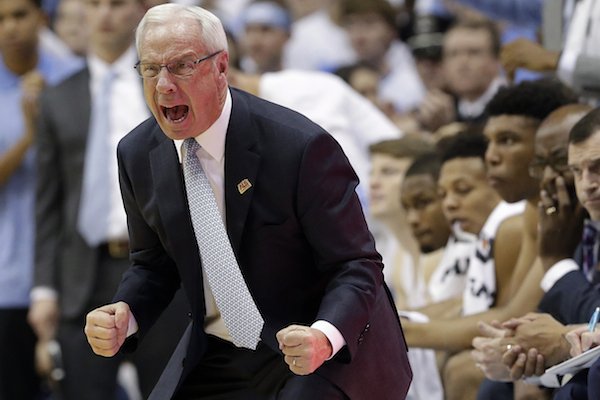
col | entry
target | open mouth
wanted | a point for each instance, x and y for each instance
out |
(175, 114)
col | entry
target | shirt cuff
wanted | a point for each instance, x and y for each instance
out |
(39, 293)
(333, 334)
(132, 325)
(556, 272)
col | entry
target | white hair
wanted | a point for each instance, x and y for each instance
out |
(212, 32)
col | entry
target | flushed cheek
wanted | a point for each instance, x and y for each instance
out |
(155, 109)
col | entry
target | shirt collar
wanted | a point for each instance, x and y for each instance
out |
(475, 108)
(122, 65)
(212, 140)
(595, 224)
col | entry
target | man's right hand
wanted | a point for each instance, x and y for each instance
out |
(106, 328)
(43, 318)
(560, 223)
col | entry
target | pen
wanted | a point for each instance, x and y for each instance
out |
(594, 320)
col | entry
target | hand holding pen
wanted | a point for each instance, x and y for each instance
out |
(594, 320)
(585, 337)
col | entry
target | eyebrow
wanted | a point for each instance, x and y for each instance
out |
(593, 161)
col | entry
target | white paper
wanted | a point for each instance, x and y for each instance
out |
(572, 365)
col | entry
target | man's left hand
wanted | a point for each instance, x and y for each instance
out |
(488, 350)
(304, 348)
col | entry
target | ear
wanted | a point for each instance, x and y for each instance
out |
(223, 63)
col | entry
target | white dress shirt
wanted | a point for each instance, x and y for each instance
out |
(127, 110)
(581, 42)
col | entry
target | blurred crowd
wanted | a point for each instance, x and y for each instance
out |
(470, 123)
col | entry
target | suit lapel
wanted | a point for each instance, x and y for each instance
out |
(242, 159)
(171, 201)
(83, 101)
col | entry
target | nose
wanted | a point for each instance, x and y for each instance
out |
(491, 155)
(373, 180)
(165, 82)
(414, 221)
(450, 203)
(412, 216)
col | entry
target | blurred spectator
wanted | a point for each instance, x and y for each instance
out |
(70, 26)
(426, 43)
(25, 68)
(516, 19)
(371, 27)
(472, 72)
(579, 61)
(317, 42)
(81, 121)
(266, 30)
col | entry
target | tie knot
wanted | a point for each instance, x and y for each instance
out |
(589, 234)
(191, 147)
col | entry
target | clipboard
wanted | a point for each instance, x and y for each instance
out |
(572, 365)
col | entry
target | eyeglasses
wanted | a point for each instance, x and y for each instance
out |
(558, 165)
(177, 68)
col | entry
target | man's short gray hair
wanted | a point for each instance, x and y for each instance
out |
(212, 31)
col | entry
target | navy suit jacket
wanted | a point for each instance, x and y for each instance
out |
(298, 233)
(572, 299)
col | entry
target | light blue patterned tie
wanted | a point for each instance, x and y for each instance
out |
(94, 205)
(234, 301)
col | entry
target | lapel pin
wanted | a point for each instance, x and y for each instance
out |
(243, 186)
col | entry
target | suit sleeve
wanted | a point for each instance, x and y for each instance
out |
(48, 210)
(572, 299)
(333, 222)
(149, 284)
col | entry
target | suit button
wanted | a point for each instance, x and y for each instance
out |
(190, 315)
(367, 327)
